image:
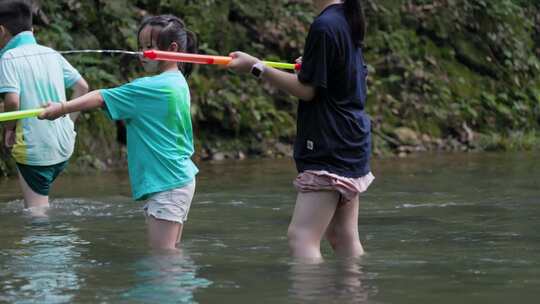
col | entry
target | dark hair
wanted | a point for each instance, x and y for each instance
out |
(16, 16)
(173, 29)
(357, 20)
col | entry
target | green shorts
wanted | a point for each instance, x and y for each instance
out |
(40, 178)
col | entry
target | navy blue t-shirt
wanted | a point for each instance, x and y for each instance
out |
(334, 132)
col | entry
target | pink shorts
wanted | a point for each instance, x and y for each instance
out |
(348, 188)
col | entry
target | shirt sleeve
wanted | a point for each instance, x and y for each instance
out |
(121, 102)
(319, 54)
(71, 75)
(9, 81)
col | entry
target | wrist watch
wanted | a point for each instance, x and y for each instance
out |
(257, 69)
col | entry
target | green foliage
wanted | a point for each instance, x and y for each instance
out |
(440, 64)
(222, 102)
(435, 65)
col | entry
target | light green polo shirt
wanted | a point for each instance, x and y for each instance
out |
(38, 75)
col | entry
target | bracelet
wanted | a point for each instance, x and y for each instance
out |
(63, 108)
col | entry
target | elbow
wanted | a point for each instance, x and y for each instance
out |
(307, 93)
(304, 91)
(100, 100)
(309, 96)
(11, 102)
(84, 86)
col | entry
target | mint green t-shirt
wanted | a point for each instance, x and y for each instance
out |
(38, 75)
(159, 131)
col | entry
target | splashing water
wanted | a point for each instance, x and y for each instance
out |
(123, 52)
(74, 52)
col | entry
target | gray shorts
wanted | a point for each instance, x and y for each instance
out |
(171, 205)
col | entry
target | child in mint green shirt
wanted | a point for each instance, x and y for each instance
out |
(159, 133)
(30, 76)
(157, 113)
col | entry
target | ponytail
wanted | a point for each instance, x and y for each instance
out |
(356, 19)
(173, 29)
(192, 46)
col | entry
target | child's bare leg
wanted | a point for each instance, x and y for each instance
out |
(36, 203)
(343, 233)
(312, 214)
(166, 213)
(163, 235)
(179, 238)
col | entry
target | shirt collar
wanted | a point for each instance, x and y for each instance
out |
(21, 39)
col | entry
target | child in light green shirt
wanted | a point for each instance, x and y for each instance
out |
(157, 113)
(30, 76)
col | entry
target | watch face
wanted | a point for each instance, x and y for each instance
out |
(256, 71)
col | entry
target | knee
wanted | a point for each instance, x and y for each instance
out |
(339, 237)
(299, 237)
(293, 235)
(332, 237)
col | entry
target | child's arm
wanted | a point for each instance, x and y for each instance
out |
(11, 103)
(287, 82)
(79, 89)
(88, 101)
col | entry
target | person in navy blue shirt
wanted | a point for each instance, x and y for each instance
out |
(333, 143)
